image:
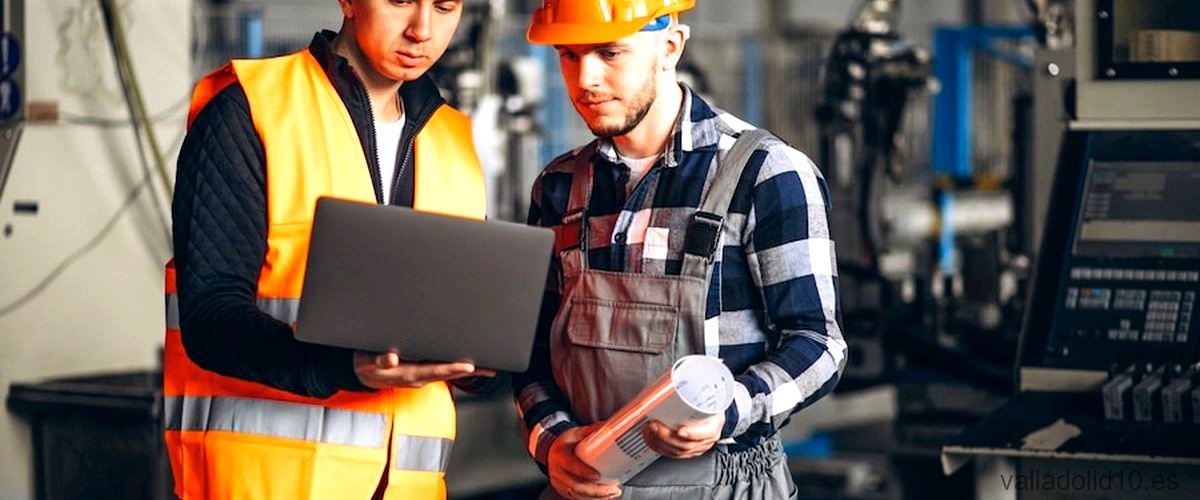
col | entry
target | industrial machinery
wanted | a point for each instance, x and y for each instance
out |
(1109, 348)
(869, 79)
(930, 259)
(1106, 373)
(502, 89)
(930, 246)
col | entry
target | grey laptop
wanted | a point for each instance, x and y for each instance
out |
(432, 286)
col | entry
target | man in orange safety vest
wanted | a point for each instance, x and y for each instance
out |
(252, 413)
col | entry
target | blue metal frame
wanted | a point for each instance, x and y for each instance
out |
(947, 259)
(752, 83)
(952, 106)
(252, 30)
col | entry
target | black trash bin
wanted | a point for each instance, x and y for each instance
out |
(96, 436)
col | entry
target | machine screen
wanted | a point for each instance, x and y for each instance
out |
(1140, 209)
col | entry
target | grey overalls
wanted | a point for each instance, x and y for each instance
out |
(615, 333)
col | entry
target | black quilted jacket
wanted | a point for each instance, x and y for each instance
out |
(220, 235)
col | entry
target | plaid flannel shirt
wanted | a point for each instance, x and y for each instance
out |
(772, 313)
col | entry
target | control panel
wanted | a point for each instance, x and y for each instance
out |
(1129, 275)
(1127, 314)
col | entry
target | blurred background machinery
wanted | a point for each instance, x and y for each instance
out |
(1106, 364)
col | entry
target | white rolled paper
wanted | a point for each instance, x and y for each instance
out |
(696, 387)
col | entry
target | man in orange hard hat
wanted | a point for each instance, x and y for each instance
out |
(675, 235)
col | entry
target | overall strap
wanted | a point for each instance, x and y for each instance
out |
(703, 236)
(574, 234)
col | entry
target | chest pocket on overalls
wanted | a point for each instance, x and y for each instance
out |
(619, 332)
(628, 341)
(622, 326)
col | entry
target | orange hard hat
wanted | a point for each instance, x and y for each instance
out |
(574, 22)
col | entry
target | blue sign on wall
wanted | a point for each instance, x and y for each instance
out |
(10, 55)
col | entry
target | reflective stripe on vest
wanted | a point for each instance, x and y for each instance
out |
(285, 310)
(421, 453)
(279, 419)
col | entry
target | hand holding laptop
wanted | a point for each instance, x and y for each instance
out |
(383, 370)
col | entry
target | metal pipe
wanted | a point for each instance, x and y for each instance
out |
(910, 218)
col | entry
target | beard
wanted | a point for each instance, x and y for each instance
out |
(639, 107)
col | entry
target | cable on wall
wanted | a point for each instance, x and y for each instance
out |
(142, 124)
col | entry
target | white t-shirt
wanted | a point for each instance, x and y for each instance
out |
(638, 167)
(387, 148)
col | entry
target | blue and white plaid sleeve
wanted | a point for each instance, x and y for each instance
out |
(792, 263)
(542, 409)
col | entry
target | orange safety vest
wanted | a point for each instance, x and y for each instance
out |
(229, 438)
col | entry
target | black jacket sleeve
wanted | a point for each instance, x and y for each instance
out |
(220, 235)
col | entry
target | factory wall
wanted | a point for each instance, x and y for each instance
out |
(81, 281)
